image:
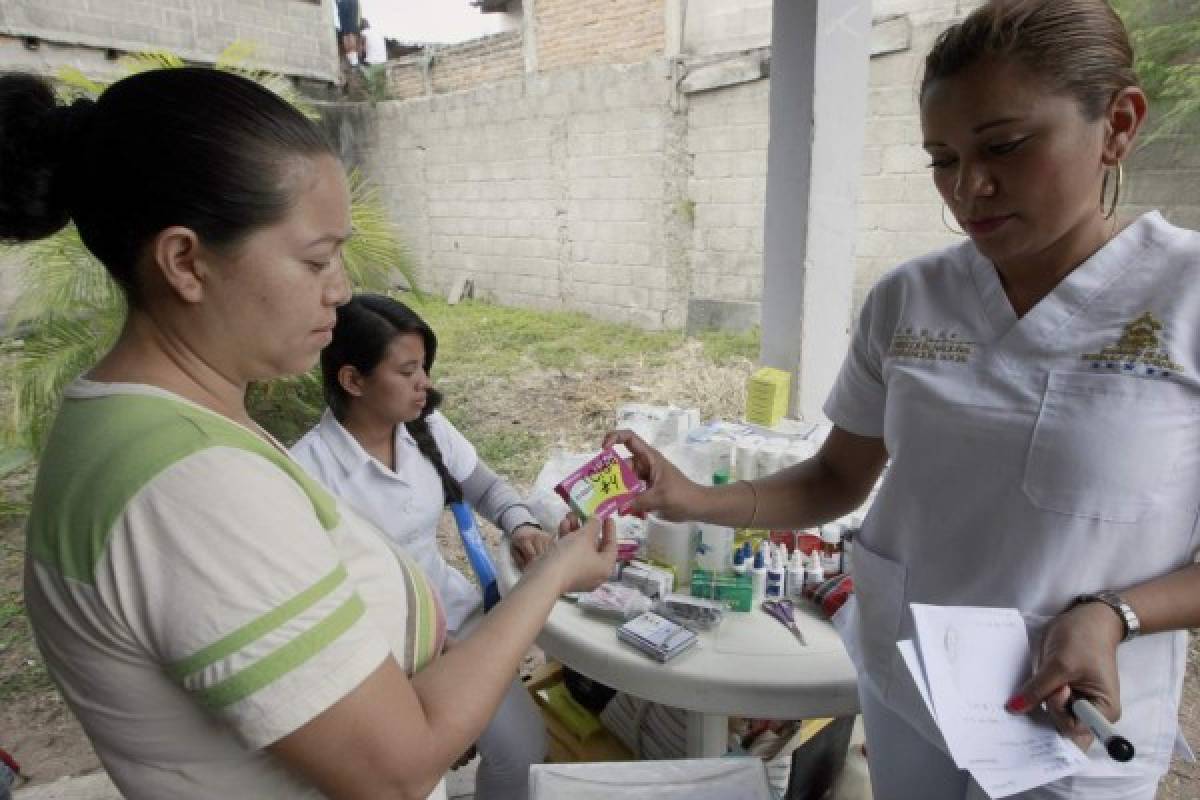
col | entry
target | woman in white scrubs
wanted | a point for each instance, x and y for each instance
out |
(383, 447)
(1035, 389)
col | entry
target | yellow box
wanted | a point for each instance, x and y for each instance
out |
(767, 396)
(566, 744)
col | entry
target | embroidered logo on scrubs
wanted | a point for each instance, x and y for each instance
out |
(926, 345)
(1139, 351)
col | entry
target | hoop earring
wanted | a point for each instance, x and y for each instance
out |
(1116, 198)
(950, 227)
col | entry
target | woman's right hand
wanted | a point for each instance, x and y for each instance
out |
(669, 493)
(584, 558)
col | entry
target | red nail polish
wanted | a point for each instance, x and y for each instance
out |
(1016, 704)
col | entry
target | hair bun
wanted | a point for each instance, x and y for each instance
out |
(69, 124)
(37, 140)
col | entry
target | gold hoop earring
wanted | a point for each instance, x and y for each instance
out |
(1116, 198)
(950, 227)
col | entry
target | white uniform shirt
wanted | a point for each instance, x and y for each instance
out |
(1034, 459)
(405, 503)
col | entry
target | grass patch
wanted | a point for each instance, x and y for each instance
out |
(510, 453)
(21, 669)
(477, 337)
(723, 347)
(26, 680)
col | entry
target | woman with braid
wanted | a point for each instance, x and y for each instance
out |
(383, 447)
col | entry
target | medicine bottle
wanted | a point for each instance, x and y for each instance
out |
(831, 548)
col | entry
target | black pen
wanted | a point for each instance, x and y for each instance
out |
(1118, 747)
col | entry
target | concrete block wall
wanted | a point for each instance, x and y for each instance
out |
(407, 77)
(572, 33)
(477, 62)
(293, 37)
(450, 68)
(899, 212)
(552, 190)
(727, 147)
(726, 26)
(1164, 174)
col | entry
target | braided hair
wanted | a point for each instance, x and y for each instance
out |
(365, 328)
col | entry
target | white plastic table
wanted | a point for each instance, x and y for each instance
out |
(750, 666)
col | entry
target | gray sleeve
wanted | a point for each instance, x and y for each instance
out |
(492, 496)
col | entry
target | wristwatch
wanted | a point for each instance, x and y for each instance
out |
(1129, 617)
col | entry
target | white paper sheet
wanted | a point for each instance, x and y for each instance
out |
(967, 662)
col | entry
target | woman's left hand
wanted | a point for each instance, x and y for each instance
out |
(1078, 653)
(529, 543)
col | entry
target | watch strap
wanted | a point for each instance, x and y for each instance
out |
(1129, 617)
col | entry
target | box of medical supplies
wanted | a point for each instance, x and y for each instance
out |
(734, 590)
(767, 396)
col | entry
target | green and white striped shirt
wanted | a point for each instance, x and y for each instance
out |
(197, 597)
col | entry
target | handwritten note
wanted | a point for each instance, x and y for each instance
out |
(967, 662)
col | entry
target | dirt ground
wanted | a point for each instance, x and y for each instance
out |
(571, 408)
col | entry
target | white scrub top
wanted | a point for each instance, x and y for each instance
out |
(1032, 459)
(406, 503)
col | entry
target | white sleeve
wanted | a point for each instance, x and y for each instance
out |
(221, 567)
(856, 402)
(458, 454)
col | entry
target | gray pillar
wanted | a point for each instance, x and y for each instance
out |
(529, 34)
(819, 58)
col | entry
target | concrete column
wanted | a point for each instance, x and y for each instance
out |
(819, 59)
(529, 35)
(675, 11)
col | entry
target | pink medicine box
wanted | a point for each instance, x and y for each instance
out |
(604, 486)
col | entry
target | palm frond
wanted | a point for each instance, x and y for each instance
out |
(374, 255)
(61, 273)
(287, 407)
(239, 57)
(1166, 39)
(133, 63)
(59, 349)
(73, 83)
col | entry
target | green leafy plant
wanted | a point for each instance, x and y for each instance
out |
(1166, 38)
(69, 312)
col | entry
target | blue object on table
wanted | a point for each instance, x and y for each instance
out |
(477, 553)
(785, 612)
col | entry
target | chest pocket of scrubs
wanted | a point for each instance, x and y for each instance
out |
(1104, 444)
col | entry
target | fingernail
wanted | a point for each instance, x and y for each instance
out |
(1016, 704)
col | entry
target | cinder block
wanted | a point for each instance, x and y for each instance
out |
(882, 189)
(893, 130)
(892, 101)
(904, 158)
(898, 69)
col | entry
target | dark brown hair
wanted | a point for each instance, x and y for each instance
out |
(365, 328)
(191, 146)
(1079, 47)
